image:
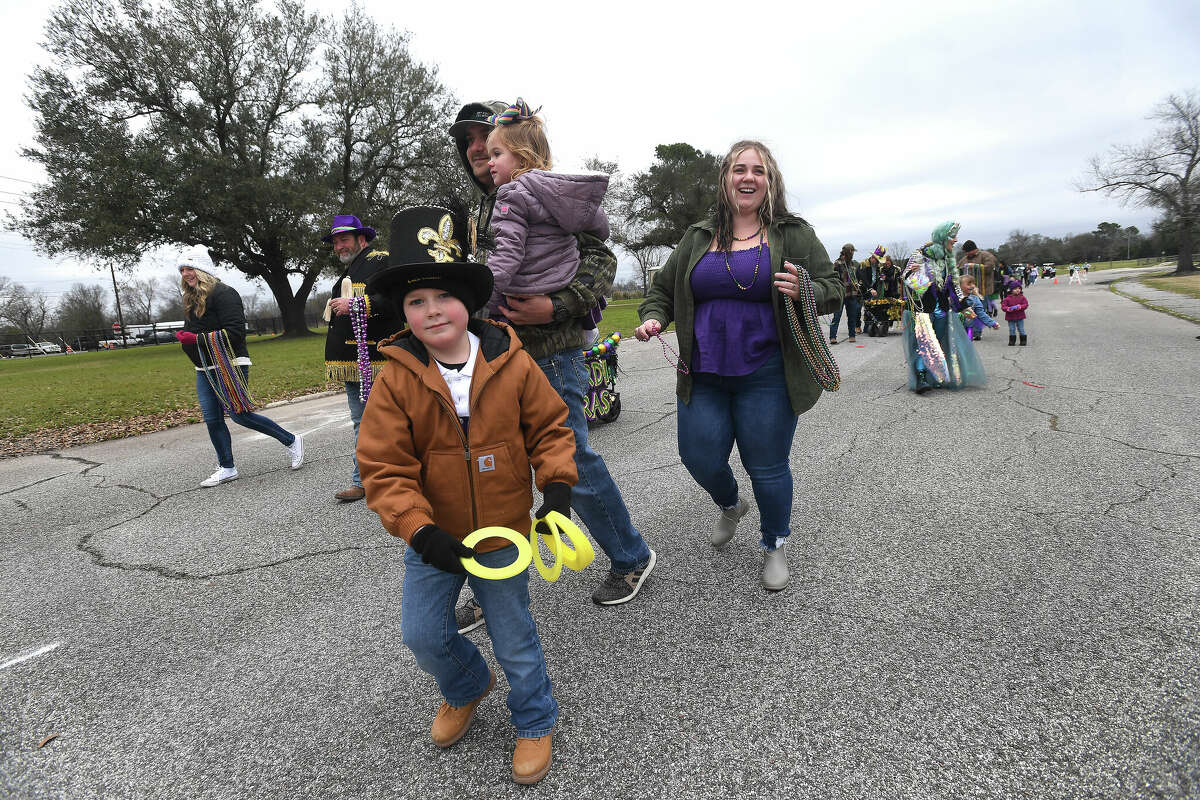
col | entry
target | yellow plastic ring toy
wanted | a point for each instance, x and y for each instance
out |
(519, 565)
(555, 543)
(580, 554)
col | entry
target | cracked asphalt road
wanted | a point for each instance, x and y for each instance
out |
(1009, 613)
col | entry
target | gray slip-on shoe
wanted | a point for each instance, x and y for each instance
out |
(775, 570)
(727, 522)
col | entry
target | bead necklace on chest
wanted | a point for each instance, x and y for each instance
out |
(757, 260)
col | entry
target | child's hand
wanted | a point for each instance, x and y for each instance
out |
(439, 548)
(557, 497)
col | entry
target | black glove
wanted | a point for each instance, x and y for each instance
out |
(556, 497)
(439, 548)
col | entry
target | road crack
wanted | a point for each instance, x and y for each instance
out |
(91, 465)
(34, 483)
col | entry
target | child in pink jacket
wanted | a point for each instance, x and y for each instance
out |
(1014, 305)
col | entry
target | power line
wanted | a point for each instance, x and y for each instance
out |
(18, 180)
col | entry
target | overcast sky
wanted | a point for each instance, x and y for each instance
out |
(886, 117)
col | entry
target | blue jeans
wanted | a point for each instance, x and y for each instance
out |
(853, 310)
(595, 497)
(1015, 325)
(428, 629)
(218, 432)
(754, 411)
(356, 412)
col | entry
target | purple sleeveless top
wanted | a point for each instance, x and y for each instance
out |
(735, 328)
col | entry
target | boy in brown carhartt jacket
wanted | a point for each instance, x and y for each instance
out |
(458, 415)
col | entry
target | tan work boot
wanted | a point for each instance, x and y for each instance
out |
(531, 759)
(452, 722)
(351, 494)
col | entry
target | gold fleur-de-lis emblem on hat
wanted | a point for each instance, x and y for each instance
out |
(445, 246)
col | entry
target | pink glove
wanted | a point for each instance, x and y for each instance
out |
(185, 337)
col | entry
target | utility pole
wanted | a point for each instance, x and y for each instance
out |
(116, 294)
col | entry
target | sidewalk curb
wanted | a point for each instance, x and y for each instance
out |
(302, 398)
(1112, 287)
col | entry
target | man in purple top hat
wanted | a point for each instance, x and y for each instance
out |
(349, 238)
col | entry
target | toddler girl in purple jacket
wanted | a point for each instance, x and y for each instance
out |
(537, 212)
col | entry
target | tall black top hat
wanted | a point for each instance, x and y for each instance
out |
(427, 249)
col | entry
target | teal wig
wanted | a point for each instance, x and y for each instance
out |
(941, 234)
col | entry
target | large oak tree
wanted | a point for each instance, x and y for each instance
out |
(236, 124)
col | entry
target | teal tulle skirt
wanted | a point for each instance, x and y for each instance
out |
(938, 352)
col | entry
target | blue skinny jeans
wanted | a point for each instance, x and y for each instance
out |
(218, 431)
(753, 411)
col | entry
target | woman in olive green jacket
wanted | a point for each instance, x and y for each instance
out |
(742, 377)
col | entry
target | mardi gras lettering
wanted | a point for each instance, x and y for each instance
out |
(598, 403)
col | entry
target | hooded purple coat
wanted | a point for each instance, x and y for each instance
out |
(534, 224)
(1014, 307)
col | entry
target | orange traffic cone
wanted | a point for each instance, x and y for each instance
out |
(69, 350)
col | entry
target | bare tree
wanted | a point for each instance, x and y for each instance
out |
(1160, 172)
(616, 184)
(253, 304)
(899, 251)
(83, 308)
(141, 294)
(627, 232)
(24, 309)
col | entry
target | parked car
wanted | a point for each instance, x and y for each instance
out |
(18, 349)
(82, 343)
(157, 337)
(49, 347)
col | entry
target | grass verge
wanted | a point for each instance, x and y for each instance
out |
(1188, 285)
(1115, 289)
(51, 402)
(63, 400)
(621, 315)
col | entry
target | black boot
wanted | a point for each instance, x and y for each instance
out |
(1012, 340)
(1023, 340)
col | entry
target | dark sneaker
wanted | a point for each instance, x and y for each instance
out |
(469, 616)
(622, 587)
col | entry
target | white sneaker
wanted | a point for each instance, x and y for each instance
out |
(296, 449)
(727, 522)
(223, 475)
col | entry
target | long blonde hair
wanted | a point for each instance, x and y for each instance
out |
(774, 204)
(527, 141)
(195, 300)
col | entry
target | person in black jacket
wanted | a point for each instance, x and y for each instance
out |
(350, 238)
(210, 305)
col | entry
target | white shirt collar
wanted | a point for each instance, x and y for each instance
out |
(458, 381)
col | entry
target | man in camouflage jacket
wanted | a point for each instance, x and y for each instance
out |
(552, 328)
